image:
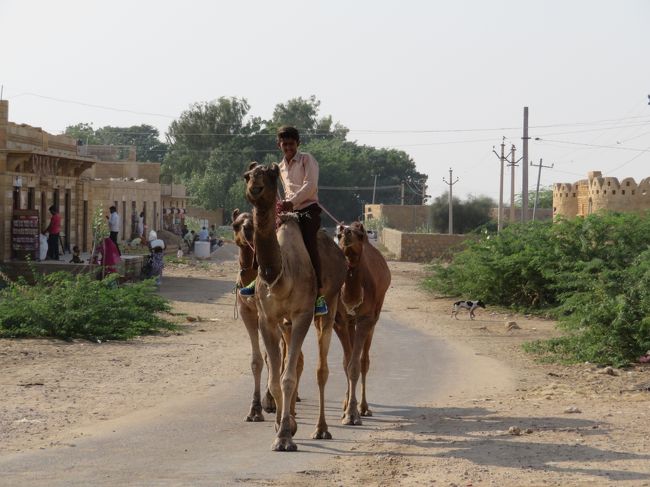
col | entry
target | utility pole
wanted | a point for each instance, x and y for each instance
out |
(501, 159)
(451, 212)
(524, 172)
(374, 187)
(512, 164)
(424, 191)
(402, 185)
(539, 174)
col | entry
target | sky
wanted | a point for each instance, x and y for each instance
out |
(444, 81)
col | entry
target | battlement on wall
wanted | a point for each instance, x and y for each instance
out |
(598, 193)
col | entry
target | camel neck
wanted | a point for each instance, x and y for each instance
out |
(247, 269)
(267, 248)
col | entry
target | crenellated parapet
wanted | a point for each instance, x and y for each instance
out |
(598, 193)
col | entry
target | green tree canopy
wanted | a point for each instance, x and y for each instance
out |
(468, 215)
(144, 137)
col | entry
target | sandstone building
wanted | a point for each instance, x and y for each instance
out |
(598, 193)
(38, 170)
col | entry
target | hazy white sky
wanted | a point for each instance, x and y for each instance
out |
(428, 77)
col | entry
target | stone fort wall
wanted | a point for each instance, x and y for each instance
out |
(598, 193)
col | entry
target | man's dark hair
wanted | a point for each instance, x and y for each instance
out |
(53, 209)
(288, 132)
(112, 209)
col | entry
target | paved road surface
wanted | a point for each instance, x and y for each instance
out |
(203, 440)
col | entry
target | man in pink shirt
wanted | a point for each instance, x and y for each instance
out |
(299, 175)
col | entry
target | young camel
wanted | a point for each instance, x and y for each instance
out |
(362, 298)
(285, 292)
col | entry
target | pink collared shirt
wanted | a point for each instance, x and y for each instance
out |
(300, 180)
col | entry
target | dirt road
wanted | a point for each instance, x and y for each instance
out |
(169, 410)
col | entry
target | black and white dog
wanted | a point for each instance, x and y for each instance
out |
(469, 305)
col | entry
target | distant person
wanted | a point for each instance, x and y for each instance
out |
(53, 229)
(156, 260)
(189, 240)
(215, 241)
(76, 255)
(141, 224)
(184, 230)
(114, 226)
(204, 236)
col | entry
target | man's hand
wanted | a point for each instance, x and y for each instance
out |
(286, 206)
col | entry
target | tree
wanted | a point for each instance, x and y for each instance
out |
(545, 198)
(468, 215)
(144, 137)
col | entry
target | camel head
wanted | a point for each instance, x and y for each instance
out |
(242, 226)
(351, 239)
(262, 184)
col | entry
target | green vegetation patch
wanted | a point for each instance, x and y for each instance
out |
(67, 306)
(592, 274)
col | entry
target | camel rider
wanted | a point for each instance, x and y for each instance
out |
(299, 174)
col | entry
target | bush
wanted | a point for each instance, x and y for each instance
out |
(593, 274)
(67, 306)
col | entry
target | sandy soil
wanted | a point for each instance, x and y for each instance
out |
(54, 390)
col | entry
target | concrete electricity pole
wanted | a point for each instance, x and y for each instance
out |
(512, 164)
(501, 159)
(451, 212)
(524, 172)
(402, 198)
(374, 187)
(539, 174)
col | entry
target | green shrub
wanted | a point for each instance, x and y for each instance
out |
(593, 274)
(69, 306)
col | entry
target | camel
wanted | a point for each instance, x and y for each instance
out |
(285, 295)
(362, 298)
(242, 225)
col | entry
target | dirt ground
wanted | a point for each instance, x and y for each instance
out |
(557, 425)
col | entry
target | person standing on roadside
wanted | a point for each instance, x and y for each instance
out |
(114, 226)
(54, 229)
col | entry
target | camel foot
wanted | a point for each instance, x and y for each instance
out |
(284, 444)
(366, 412)
(351, 420)
(255, 417)
(321, 434)
(298, 399)
(268, 403)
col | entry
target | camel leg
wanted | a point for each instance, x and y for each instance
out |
(288, 426)
(286, 338)
(268, 403)
(352, 416)
(324, 328)
(272, 336)
(365, 366)
(343, 332)
(257, 363)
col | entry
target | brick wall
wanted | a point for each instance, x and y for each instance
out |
(420, 247)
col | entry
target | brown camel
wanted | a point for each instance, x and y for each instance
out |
(242, 225)
(285, 295)
(362, 297)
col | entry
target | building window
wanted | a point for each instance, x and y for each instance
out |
(597, 192)
(633, 192)
(574, 195)
(622, 191)
(613, 191)
(609, 183)
(627, 184)
(604, 191)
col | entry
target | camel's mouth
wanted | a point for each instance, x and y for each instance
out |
(255, 190)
